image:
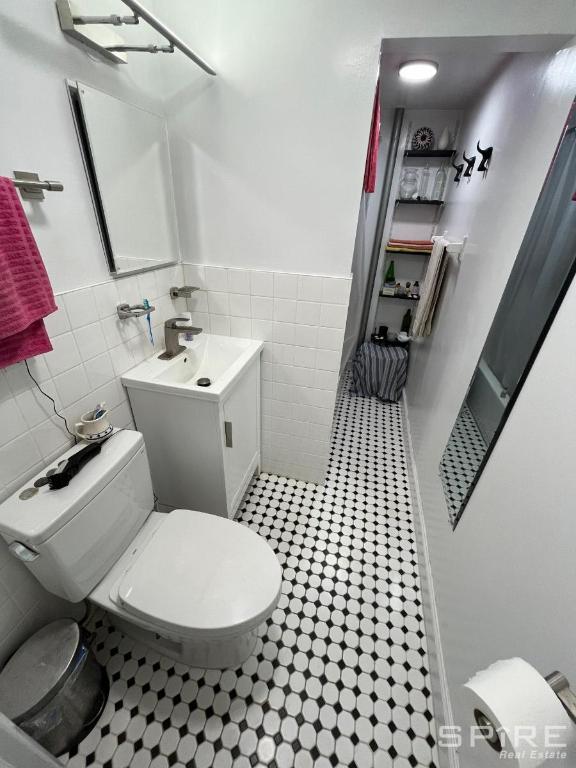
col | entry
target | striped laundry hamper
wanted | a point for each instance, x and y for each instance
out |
(379, 371)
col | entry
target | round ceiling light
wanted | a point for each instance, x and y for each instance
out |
(418, 71)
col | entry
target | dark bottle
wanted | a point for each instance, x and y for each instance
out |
(390, 278)
(406, 321)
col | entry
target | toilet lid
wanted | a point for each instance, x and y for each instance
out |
(204, 573)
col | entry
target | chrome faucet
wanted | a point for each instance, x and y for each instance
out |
(172, 329)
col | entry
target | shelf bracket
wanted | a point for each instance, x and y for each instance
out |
(126, 311)
(96, 35)
(31, 186)
(114, 19)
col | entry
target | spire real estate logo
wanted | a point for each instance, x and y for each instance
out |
(523, 742)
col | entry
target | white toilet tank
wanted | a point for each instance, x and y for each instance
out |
(70, 538)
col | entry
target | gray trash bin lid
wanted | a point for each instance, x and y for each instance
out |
(38, 669)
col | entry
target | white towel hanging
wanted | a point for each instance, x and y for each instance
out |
(430, 289)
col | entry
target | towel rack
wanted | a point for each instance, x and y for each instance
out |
(31, 186)
(453, 248)
(116, 51)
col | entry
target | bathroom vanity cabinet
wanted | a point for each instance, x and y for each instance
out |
(203, 443)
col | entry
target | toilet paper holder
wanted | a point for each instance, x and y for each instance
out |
(561, 687)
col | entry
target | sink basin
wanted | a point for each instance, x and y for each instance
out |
(218, 358)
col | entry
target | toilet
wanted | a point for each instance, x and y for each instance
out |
(193, 586)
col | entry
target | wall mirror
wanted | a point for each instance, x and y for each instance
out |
(127, 161)
(539, 279)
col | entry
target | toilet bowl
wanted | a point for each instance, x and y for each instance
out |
(194, 586)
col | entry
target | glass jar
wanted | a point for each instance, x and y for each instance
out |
(409, 183)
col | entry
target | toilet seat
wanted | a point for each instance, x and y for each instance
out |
(202, 574)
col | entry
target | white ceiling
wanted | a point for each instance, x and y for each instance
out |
(465, 65)
(461, 76)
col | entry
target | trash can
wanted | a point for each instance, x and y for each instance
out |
(53, 688)
(379, 371)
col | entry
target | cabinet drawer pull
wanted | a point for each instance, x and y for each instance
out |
(228, 433)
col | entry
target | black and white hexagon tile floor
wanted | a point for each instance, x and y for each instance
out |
(339, 676)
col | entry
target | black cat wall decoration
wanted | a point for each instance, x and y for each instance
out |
(486, 156)
(458, 168)
(470, 162)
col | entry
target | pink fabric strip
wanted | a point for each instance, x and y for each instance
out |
(372, 154)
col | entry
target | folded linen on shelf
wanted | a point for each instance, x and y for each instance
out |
(416, 246)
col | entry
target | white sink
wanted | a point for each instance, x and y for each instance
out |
(218, 358)
(203, 442)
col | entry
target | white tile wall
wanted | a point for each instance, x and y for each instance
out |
(301, 319)
(92, 348)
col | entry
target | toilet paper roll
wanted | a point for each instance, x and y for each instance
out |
(531, 722)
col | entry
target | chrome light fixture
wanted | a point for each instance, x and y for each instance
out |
(418, 71)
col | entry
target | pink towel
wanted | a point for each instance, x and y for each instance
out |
(25, 292)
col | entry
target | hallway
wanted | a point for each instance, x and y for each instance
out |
(340, 673)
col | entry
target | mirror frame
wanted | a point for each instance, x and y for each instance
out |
(94, 188)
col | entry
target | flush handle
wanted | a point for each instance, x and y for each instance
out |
(22, 552)
(228, 433)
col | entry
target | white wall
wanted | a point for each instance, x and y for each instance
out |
(269, 156)
(532, 94)
(502, 579)
(37, 131)
(300, 319)
(91, 348)
(271, 153)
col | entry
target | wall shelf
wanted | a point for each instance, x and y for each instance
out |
(417, 201)
(398, 298)
(429, 152)
(411, 253)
